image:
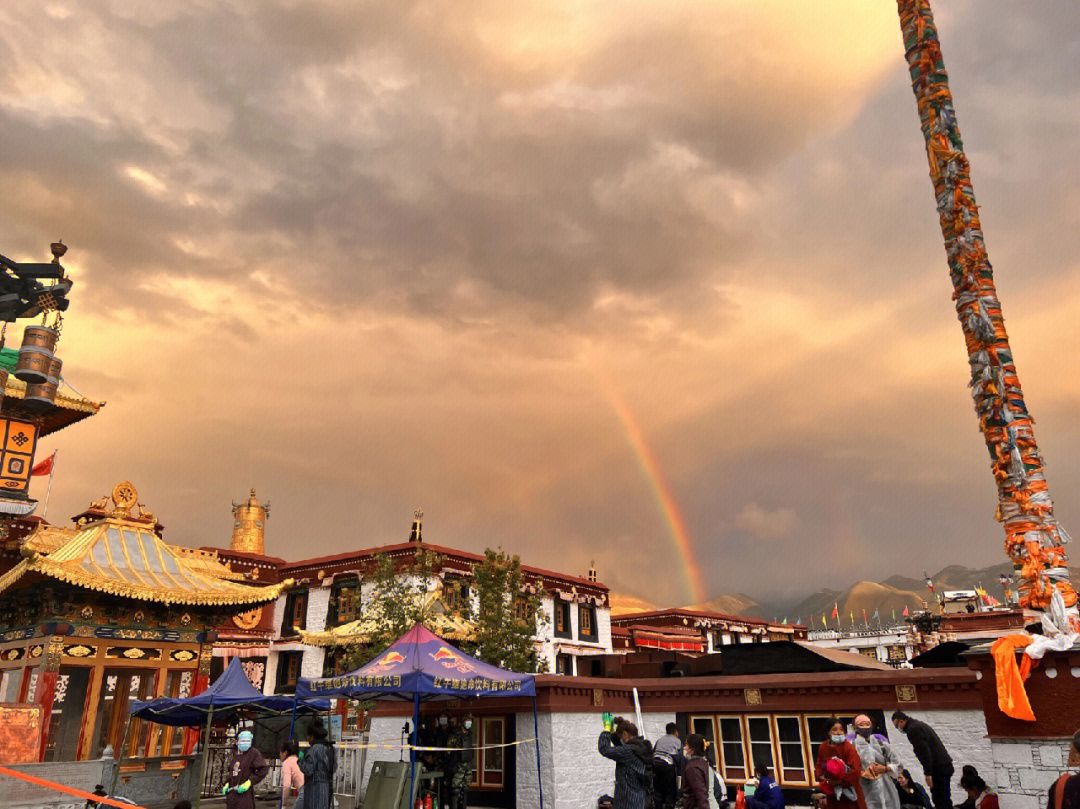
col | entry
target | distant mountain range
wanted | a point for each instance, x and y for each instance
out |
(894, 593)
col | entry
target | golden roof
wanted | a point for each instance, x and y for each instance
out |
(435, 617)
(123, 555)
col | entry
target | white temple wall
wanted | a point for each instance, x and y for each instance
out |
(963, 732)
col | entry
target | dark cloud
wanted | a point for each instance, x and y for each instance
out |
(369, 257)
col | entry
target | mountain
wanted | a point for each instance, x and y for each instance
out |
(863, 595)
(623, 604)
(738, 604)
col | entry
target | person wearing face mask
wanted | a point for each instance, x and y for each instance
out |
(460, 762)
(246, 769)
(879, 766)
(838, 768)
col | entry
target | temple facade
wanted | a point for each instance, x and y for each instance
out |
(104, 613)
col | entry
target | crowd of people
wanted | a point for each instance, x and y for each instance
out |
(856, 768)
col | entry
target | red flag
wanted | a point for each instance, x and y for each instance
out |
(835, 611)
(905, 611)
(864, 619)
(45, 467)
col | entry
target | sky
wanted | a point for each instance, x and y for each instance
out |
(655, 285)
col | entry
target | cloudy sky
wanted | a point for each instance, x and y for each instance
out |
(532, 266)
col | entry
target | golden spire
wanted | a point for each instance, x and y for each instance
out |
(249, 525)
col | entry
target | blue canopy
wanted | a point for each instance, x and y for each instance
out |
(231, 691)
(421, 665)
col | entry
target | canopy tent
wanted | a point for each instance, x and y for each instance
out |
(418, 667)
(231, 691)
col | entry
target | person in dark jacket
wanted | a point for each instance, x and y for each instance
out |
(632, 754)
(697, 775)
(932, 755)
(246, 769)
(912, 793)
(318, 769)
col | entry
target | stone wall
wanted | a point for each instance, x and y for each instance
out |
(963, 732)
(77, 774)
(1024, 769)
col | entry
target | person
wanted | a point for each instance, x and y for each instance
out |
(1065, 791)
(838, 768)
(767, 793)
(99, 790)
(701, 788)
(967, 773)
(292, 780)
(247, 768)
(632, 754)
(936, 762)
(459, 761)
(318, 769)
(666, 754)
(978, 792)
(912, 794)
(879, 765)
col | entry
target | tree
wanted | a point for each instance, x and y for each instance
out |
(506, 614)
(394, 597)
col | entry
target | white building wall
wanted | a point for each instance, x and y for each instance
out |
(317, 608)
(964, 735)
(575, 774)
(384, 730)
(1024, 769)
(270, 680)
(603, 628)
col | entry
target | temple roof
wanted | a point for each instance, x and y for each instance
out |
(121, 554)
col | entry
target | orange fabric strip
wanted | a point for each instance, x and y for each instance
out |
(1012, 696)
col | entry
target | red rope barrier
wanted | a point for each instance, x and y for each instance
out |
(78, 793)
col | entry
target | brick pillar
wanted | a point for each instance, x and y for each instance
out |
(202, 682)
(45, 691)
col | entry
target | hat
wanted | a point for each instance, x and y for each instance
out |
(835, 768)
(244, 736)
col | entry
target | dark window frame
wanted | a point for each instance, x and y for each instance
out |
(589, 611)
(283, 685)
(346, 585)
(295, 601)
(562, 609)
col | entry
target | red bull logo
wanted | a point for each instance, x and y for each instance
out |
(450, 659)
(388, 662)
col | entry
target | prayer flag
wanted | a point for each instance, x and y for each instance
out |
(835, 611)
(905, 611)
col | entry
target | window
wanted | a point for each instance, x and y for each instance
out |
(288, 671)
(869, 651)
(562, 619)
(789, 739)
(564, 664)
(455, 594)
(10, 682)
(587, 622)
(523, 611)
(170, 740)
(897, 654)
(703, 725)
(295, 616)
(119, 688)
(489, 766)
(759, 732)
(344, 601)
(67, 713)
(717, 638)
(731, 748)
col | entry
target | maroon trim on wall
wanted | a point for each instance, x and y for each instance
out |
(1054, 701)
(829, 692)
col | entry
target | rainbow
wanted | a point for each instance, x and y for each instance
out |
(650, 465)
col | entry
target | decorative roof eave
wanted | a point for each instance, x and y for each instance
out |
(360, 631)
(66, 410)
(238, 595)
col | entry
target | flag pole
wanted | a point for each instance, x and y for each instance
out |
(48, 491)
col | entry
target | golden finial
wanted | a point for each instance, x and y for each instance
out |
(124, 496)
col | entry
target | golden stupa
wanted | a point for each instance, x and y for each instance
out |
(249, 525)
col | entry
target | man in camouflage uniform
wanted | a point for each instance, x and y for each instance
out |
(460, 761)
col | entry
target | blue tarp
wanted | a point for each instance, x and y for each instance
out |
(232, 691)
(420, 664)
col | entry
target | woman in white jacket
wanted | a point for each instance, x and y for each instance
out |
(879, 767)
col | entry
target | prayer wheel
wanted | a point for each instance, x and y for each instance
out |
(38, 397)
(36, 354)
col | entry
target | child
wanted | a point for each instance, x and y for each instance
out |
(835, 770)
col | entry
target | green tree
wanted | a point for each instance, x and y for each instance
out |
(506, 614)
(395, 596)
